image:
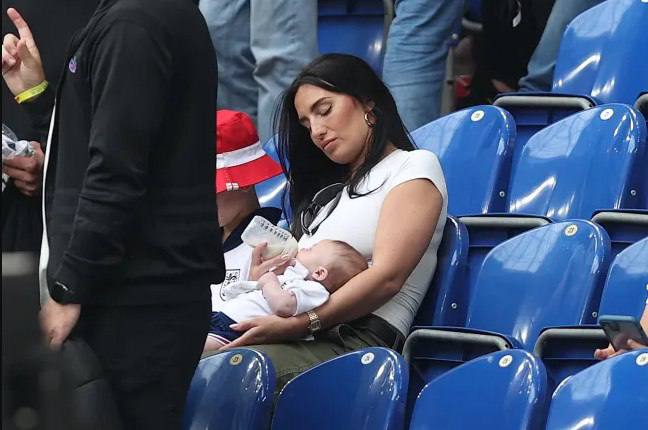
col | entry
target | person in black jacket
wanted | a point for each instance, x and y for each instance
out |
(132, 242)
(53, 23)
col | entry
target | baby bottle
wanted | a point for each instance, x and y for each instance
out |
(280, 241)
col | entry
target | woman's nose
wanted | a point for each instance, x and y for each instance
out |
(317, 132)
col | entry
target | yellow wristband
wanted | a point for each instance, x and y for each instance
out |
(32, 93)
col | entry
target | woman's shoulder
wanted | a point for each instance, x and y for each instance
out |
(419, 163)
(417, 158)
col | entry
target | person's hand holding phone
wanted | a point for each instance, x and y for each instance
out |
(625, 334)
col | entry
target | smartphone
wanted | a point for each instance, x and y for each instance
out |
(620, 328)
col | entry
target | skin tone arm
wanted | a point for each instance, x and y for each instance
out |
(406, 225)
(283, 303)
(609, 352)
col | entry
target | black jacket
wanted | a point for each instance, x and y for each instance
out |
(52, 23)
(129, 189)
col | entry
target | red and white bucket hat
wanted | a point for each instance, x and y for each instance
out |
(240, 158)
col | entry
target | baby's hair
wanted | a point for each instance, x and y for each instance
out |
(348, 262)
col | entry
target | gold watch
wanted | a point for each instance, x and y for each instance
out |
(314, 323)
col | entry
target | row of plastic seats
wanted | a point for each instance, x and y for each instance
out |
(366, 390)
(509, 390)
(598, 62)
(562, 172)
(551, 276)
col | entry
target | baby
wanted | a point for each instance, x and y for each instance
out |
(318, 272)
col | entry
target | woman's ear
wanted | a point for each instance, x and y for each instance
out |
(369, 105)
(320, 274)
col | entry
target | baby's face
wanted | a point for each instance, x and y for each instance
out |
(316, 256)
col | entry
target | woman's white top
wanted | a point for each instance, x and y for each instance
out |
(355, 221)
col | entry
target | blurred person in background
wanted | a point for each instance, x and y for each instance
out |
(261, 46)
(131, 245)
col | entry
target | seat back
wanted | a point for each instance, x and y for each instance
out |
(271, 192)
(549, 276)
(601, 53)
(353, 27)
(363, 390)
(445, 302)
(609, 395)
(624, 227)
(626, 286)
(505, 390)
(231, 390)
(478, 140)
(564, 169)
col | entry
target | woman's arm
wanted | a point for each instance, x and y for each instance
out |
(407, 221)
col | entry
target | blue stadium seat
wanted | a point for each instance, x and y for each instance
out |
(271, 191)
(564, 170)
(231, 390)
(609, 395)
(445, 303)
(478, 140)
(626, 289)
(624, 226)
(598, 63)
(534, 111)
(602, 53)
(568, 350)
(549, 276)
(362, 390)
(356, 27)
(505, 390)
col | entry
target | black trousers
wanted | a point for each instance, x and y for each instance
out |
(148, 354)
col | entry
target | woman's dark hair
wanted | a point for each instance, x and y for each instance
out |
(307, 168)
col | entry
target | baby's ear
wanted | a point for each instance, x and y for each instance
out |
(320, 274)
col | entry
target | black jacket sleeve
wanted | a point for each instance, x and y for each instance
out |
(130, 68)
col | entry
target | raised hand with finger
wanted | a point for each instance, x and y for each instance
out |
(22, 68)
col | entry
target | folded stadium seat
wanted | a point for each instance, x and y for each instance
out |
(478, 140)
(568, 350)
(609, 395)
(356, 27)
(504, 390)
(549, 276)
(597, 63)
(231, 390)
(565, 172)
(362, 390)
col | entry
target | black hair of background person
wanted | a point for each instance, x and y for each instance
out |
(53, 22)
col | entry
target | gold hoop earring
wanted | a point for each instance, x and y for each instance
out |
(368, 121)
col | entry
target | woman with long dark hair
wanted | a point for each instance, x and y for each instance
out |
(354, 175)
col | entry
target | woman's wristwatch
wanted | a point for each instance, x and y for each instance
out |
(314, 323)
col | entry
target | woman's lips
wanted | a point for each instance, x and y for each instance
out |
(327, 143)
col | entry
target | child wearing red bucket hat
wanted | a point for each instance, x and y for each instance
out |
(241, 163)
